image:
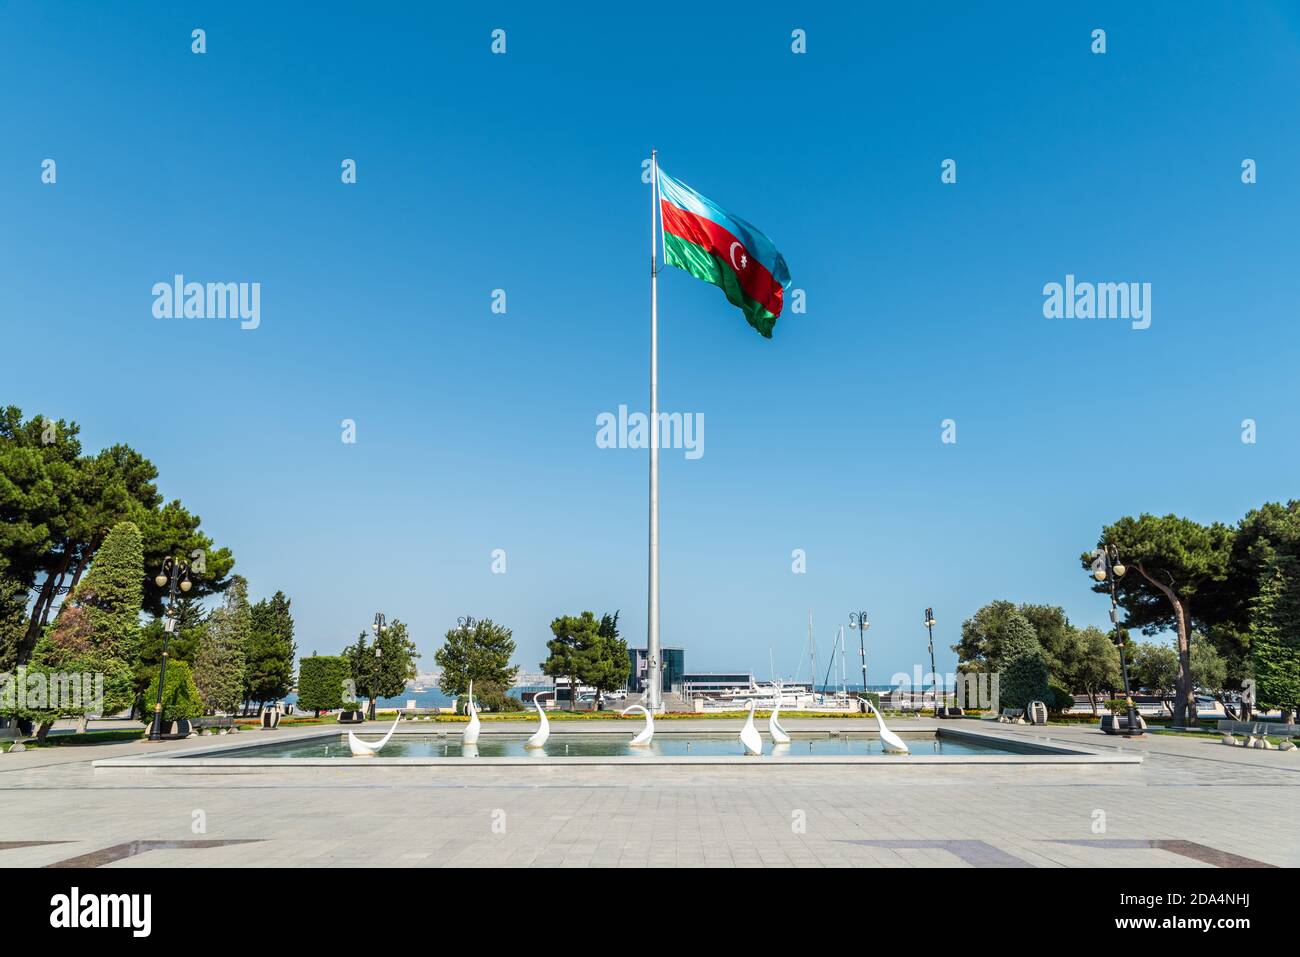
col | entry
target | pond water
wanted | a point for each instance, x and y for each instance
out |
(608, 745)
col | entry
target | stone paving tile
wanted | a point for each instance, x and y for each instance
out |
(670, 817)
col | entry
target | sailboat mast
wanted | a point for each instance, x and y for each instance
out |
(812, 651)
(844, 686)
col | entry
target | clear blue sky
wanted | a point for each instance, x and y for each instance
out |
(477, 431)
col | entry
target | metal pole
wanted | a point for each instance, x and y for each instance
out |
(858, 619)
(1123, 658)
(812, 650)
(862, 653)
(929, 624)
(155, 733)
(826, 682)
(844, 681)
(381, 622)
(654, 666)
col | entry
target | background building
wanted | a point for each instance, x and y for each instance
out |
(708, 684)
(673, 670)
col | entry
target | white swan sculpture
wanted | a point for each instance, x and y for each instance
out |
(888, 740)
(541, 734)
(470, 735)
(773, 727)
(749, 735)
(642, 739)
(364, 749)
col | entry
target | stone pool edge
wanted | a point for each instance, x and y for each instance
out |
(1026, 753)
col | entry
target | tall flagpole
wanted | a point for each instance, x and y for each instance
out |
(654, 690)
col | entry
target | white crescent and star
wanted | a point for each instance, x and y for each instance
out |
(744, 259)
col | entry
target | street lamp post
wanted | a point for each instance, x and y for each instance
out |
(1107, 566)
(174, 575)
(929, 624)
(858, 620)
(378, 628)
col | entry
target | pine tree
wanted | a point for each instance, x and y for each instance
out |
(268, 668)
(477, 649)
(109, 597)
(13, 621)
(382, 670)
(180, 698)
(1024, 670)
(1275, 636)
(607, 663)
(571, 651)
(98, 628)
(182, 644)
(219, 668)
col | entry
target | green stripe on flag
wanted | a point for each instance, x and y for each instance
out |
(702, 264)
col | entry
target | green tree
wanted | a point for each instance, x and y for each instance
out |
(98, 628)
(1097, 668)
(74, 679)
(182, 644)
(13, 622)
(111, 487)
(1057, 637)
(382, 669)
(985, 635)
(1024, 673)
(1181, 573)
(38, 493)
(494, 697)
(181, 700)
(569, 652)
(24, 695)
(1209, 669)
(1275, 636)
(321, 682)
(219, 666)
(57, 505)
(1155, 668)
(268, 666)
(109, 597)
(606, 663)
(480, 650)
(588, 652)
(171, 530)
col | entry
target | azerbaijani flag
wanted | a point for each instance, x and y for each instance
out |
(712, 244)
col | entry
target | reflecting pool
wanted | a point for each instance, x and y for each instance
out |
(610, 745)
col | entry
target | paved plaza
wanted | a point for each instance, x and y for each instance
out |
(1191, 803)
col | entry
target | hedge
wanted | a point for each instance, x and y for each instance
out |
(321, 680)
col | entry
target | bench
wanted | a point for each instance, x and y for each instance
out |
(221, 722)
(1012, 716)
(1259, 727)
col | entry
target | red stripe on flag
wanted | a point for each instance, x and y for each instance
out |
(757, 283)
